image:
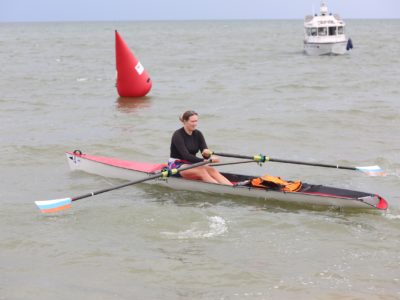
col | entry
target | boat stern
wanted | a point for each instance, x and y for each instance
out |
(375, 201)
(383, 205)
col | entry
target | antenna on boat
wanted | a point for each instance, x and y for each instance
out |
(323, 9)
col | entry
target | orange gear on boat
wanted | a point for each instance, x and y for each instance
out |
(272, 182)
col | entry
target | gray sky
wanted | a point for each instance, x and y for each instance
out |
(115, 10)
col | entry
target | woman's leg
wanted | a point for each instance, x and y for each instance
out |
(198, 173)
(214, 173)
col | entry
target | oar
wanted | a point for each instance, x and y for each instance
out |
(50, 206)
(370, 170)
(232, 163)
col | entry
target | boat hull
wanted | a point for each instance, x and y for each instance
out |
(131, 171)
(315, 49)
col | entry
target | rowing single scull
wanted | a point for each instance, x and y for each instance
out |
(308, 194)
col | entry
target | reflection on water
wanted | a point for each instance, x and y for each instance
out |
(132, 104)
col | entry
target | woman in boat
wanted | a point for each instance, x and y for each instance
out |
(185, 143)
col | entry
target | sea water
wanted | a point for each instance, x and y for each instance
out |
(255, 92)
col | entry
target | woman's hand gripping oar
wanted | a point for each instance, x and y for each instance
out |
(50, 206)
(370, 170)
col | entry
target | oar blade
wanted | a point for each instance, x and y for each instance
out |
(372, 170)
(50, 206)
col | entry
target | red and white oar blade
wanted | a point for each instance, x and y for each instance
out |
(50, 206)
(372, 170)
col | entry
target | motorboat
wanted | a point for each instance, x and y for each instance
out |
(324, 34)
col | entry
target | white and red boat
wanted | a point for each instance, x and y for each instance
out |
(308, 194)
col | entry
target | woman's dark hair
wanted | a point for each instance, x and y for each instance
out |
(187, 114)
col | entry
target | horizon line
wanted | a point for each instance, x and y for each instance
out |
(179, 20)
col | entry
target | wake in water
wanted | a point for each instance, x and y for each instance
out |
(216, 226)
(395, 173)
(392, 216)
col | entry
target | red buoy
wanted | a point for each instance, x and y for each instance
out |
(132, 78)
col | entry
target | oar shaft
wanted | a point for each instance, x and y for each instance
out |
(233, 155)
(285, 161)
(233, 163)
(115, 187)
(157, 175)
(311, 164)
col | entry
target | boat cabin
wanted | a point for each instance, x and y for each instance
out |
(324, 25)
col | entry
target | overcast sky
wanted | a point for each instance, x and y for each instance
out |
(115, 10)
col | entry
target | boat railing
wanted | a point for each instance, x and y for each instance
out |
(337, 17)
(308, 18)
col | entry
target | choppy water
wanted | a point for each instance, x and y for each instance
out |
(255, 92)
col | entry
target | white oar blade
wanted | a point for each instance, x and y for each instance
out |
(372, 170)
(50, 206)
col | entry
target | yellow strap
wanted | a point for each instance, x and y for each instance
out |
(257, 157)
(260, 158)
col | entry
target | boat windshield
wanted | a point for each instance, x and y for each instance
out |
(325, 31)
(322, 31)
(312, 31)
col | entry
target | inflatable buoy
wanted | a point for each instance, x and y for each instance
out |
(132, 78)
